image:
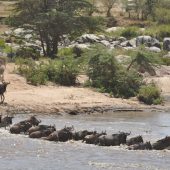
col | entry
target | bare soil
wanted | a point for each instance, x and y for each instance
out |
(22, 97)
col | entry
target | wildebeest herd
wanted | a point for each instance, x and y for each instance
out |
(34, 129)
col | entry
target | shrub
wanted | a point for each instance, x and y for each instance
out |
(127, 84)
(63, 72)
(130, 32)
(66, 73)
(101, 69)
(28, 52)
(107, 76)
(158, 31)
(150, 94)
(36, 76)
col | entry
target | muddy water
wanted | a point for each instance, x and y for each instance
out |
(18, 152)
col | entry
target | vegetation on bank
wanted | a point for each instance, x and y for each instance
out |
(50, 21)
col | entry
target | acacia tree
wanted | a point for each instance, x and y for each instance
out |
(51, 19)
(109, 5)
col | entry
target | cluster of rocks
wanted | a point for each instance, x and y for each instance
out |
(29, 39)
(32, 128)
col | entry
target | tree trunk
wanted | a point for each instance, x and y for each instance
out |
(109, 12)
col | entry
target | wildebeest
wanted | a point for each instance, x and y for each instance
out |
(162, 144)
(25, 125)
(20, 127)
(141, 146)
(62, 135)
(134, 140)
(80, 135)
(42, 133)
(5, 121)
(93, 138)
(3, 87)
(40, 128)
(32, 120)
(113, 140)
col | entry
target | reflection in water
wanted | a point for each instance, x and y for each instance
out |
(21, 153)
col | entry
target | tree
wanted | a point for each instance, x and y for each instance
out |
(52, 19)
(109, 5)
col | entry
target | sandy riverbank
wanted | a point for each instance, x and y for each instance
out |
(21, 97)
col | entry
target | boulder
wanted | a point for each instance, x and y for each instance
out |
(167, 55)
(106, 43)
(166, 44)
(154, 49)
(113, 29)
(88, 38)
(148, 41)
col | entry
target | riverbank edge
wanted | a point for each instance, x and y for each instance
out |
(79, 110)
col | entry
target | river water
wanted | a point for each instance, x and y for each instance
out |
(18, 152)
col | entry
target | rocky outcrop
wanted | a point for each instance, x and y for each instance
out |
(166, 44)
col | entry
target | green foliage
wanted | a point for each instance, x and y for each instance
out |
(130, 32)
(127, 84)
(105, 74)
(162, 15)
(28, 52)
(52, 19)
(65, 52)
(158, 31)
(150, 94)
(101, 67)
(63, 72)
(166, 61)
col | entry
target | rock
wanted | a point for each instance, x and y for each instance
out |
(106, 43)
(121, 39)
(166, 44)
(133, 42)
(148, 41)
(126, 44)
(167, 55)
(115, 43)
(113, 29)
(122, 58)
(88, 38)
(28, 36)
(80, 46)
(154, 49)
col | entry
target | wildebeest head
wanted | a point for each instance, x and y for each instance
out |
(34, 121)
(7, 119)
(122, 137)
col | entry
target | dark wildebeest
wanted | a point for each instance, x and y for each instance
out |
(20, 128)
(32, 120)
(141, 146)
(3, 87)
(162, 144)
(25, 125)
(113, 140)
(94, 138)
(62, 135)
(40, 128)
(5, 121)
(134, 140)
(42, 133)
(80, 135)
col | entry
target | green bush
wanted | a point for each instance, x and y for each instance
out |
(158, 31)
(28, 52)
(106, 75)
(166, 61)
(101, 69)
(36, 76)
(127, 84)
(130, 32)
(150, 94)
(63, 72)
